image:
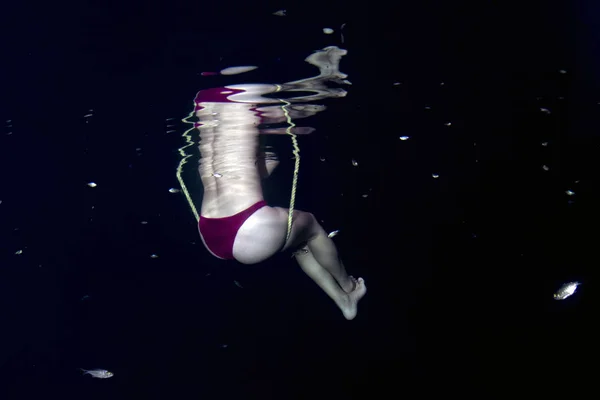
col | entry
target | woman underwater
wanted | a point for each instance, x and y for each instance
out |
(235, 222)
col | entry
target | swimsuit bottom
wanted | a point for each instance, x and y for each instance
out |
(219, 234)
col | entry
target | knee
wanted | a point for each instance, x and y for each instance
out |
(304, 228)
(310, 217)
(313, 228)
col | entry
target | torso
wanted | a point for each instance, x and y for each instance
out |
(228, 150)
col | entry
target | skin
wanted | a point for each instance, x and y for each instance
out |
(231, 170)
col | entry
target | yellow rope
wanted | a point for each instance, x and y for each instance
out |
(288, 130)
(188, 142)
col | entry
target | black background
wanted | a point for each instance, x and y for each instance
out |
(460, 269)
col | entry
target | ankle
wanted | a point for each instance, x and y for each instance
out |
(348, 286)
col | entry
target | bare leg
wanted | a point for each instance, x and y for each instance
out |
(347, 302)
(325, 253)
(319, 259)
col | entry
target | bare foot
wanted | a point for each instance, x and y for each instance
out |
(349, 304)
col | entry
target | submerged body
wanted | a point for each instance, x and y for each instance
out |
(235, 222)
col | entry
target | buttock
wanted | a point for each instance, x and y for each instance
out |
(218, 234)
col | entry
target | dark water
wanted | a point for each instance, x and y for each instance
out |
(460, 268)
